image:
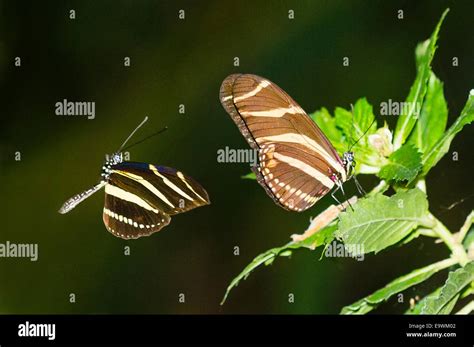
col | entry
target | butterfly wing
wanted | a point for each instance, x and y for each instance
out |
(140, 198)
(296, 160)
(129, 220)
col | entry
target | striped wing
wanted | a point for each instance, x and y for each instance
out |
(297, 163)
(140, 198)
(129, 220)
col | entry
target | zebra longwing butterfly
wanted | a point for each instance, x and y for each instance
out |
(141, 197)
(297, 163)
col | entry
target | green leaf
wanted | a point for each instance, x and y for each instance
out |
(434, 115)
(363, 120)
(469, 290)
(355, 124)
(356, 128)
(419, 305)
(363, 125)
(343, 120)
(319, 238)
(449, 305)
(327, 124)
(249, 176)
(378, 222)
(441, 147)
(424, 55)
(411, 236)
(359, 307)
(404, 164)
(396, 286)
(443, 302)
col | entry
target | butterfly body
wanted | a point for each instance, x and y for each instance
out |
(140, 198)
(297, 163)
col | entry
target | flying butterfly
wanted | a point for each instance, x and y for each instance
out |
(298, 165)
(140, 198)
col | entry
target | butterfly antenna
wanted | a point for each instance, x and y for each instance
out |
(133, 132)
(352, 128)
(146, 138)
(365, 132)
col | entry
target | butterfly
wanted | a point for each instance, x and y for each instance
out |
(298, 165)
(140, 198)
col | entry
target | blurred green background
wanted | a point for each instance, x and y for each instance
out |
(183, 62)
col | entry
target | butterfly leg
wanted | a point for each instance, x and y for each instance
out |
(345, 197)
(359, 186)
(332, 194)
(340, 187)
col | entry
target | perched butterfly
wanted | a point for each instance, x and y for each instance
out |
(140, 197)
(297, 163)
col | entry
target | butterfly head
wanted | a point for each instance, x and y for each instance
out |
(114, 159)
(110, 160)
(349, 162)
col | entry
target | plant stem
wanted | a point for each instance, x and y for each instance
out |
(467, 309)
(381, 187)
(465, 228)
(427, 232)
(421, 184)
(444, 234)
(440, 265)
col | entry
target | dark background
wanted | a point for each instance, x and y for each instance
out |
(174, 62)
